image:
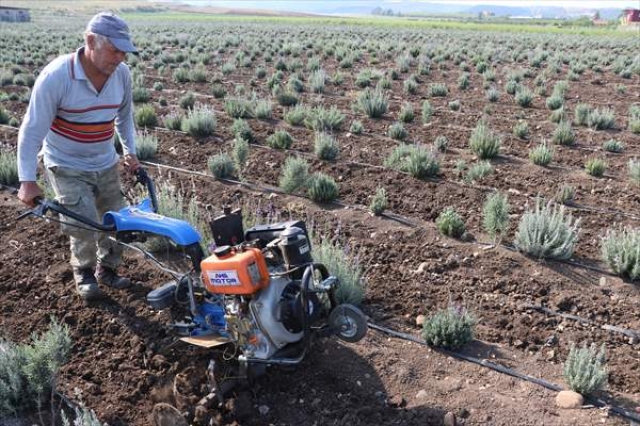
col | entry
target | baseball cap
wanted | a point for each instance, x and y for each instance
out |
(114, 28)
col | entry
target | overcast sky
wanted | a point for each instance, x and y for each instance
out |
(562, 3)
(601, 4)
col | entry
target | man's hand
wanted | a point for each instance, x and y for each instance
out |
(131, 163)
(29, 191)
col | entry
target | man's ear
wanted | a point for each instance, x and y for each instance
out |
(91, 41)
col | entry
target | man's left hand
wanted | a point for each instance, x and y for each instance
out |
(131, 163)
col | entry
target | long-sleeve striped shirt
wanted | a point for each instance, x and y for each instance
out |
(73, 121)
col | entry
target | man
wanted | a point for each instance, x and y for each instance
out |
(77, 103)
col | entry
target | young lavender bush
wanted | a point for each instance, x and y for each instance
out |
(450, 223)
(619, 249)
(495, 215)
(378, 202)
(295, 174)
(585, 369)
(546, 232)
(450, 328)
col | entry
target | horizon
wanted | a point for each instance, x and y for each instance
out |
(282, 4)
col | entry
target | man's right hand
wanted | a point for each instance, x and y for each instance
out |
(28, 192)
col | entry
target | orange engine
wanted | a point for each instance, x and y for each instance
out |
(228, 271)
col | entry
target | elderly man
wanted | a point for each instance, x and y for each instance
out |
(79, 100)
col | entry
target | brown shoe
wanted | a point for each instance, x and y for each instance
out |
(109, 277)
(86, 284)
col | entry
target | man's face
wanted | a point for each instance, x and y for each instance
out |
(106, 58)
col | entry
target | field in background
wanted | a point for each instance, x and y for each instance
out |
(438, 82)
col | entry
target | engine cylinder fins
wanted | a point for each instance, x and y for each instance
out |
(348, 322)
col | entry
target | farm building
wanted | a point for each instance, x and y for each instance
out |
(14, 14)
(630, 16)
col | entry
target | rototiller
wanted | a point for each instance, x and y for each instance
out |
(260, 289)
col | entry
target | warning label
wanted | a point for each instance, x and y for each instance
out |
(223, 278)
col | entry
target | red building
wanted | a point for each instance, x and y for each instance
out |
(630, 15)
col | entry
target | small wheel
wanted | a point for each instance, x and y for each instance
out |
(349, 323)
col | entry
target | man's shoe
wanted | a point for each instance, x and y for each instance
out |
(86, 284)
(109, 277)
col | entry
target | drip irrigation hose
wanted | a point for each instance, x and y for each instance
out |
(632, 334)
(629, 415)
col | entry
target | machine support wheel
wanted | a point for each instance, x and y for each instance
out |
(348, 322)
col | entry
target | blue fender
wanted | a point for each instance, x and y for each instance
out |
(141, 217)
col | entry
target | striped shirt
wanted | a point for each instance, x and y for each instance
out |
(72, 122)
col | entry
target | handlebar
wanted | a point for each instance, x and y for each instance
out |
(143, 178)
(43, 205)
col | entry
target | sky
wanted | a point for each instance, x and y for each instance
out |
(600, 4)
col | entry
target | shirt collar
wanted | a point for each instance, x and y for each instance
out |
(78, 71)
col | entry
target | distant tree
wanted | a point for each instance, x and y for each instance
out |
(377, 11)
(596, 15)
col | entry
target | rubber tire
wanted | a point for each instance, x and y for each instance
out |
(351, 317)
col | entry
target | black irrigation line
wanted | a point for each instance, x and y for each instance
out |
(633, 334)
(623, 412)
